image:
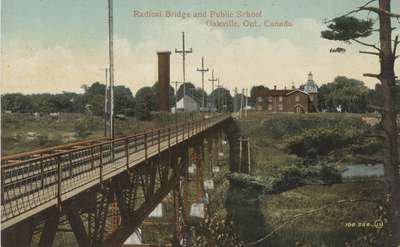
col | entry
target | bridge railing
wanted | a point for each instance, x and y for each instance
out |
(34, 181)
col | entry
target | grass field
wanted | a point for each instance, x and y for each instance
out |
(311, 215)
(25, 132)
(314, 215)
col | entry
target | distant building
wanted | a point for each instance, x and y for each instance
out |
(289, 100)
(187, 104)
(54, 114)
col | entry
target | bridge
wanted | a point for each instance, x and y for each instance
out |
(75, 184)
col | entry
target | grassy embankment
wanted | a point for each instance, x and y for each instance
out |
(314, 214)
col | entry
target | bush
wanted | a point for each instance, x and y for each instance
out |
(293, 124)
(321, 141)
(84, 127)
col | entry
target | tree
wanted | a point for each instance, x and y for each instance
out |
(16, 102)
(94, 97)
(348, 28)
(221, 99)
(197, 94)
(192, 91)
(94, 89)
(253, 91)
(124, 102)
(60, 103)
(71, 102)
(349, 95)
(189, 87)
(145, 103)
(375, 97)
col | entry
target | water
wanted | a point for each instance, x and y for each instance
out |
(363, 170)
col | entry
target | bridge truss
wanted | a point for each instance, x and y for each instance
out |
(72, 187)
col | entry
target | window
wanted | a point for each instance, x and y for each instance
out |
(259, 99)
(269, 107)
(312, 97)
(270, 99)
(297, 98)
(280, 107)
(280, 99)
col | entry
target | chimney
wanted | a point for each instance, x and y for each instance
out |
(163, 80)
(293, 87)
(274, 87)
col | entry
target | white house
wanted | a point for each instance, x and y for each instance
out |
(187, 104)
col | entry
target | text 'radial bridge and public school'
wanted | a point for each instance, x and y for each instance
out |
(187, 14)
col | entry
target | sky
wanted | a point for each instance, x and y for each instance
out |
(59, 45)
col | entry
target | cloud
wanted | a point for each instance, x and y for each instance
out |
(276, 57)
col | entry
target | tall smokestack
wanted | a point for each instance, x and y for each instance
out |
(163, 80)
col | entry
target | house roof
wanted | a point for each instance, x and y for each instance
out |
(185, 102)
(278, 92)
(268, 92)
(297, 90)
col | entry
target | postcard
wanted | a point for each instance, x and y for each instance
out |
(200, 123)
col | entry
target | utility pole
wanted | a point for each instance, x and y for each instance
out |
(222, 98)
(226, 99)
(241, 103)
(176, 99)
(106, 103)
(246, 98)
(111, 60)
(212, 80)
(235, 103)
(219, 96)
(183, 52)
(248, 155)
(202, 70)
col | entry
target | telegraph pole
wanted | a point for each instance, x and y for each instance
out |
(111, 60)
(176, 100)
(241, 103)
(183, 52)
(218, 96)
(225, 99)
(247, 98)
(106, 103)
(212, 80)
(235, 101)
(202, 70)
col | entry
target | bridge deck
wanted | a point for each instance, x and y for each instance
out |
(36, 181)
